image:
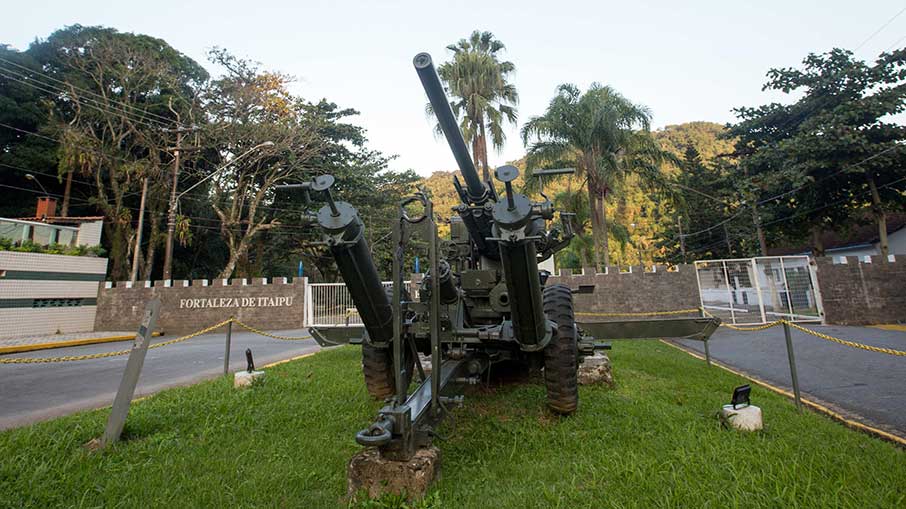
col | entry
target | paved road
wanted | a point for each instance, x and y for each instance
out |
(33, 392)
(867, 384)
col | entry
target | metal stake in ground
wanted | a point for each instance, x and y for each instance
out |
(226, 353)
(123, 399)
(789, 351)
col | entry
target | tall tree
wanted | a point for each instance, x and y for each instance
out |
(833, 156)
(263, 139)
(112, 95)
(606, 137)
(483, 97)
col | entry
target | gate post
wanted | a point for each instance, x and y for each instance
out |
(764, 317)
(729, 292)
(698, 279)
(816, 290)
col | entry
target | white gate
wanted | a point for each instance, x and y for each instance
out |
(330, 304)
(760, 290)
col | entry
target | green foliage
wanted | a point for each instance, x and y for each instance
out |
(29, 246)
(810, 164)
(482, 94)
(652, 441)
(606, 138)
(707, 138)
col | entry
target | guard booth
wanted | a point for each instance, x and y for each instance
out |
(752, 291)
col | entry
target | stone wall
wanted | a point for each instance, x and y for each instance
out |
(190, 306)
(634, 291)
(859, 293)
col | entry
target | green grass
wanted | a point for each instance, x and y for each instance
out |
(653, 441)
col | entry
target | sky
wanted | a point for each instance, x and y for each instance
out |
(686, 61)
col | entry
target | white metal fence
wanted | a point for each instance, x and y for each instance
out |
(330, 304)
(760, 290)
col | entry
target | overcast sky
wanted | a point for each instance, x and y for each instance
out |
(685, 63)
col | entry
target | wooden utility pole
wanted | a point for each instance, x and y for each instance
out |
(878, 210)
(171, 213)
(138, 234)
(682, 238)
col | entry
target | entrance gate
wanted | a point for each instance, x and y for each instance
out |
(330, 304)
(760, 290)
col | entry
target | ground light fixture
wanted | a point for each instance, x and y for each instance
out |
(741, 396)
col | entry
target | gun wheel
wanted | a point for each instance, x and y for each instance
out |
(377, 366)
(561, 354)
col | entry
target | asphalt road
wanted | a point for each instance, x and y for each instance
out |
(867, 384)
(33, 392)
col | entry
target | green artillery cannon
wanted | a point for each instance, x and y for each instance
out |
(483, 300)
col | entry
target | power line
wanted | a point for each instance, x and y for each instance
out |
(822, 179)
(876, 32)
(91, 103)
(897, 42)
(166, 121)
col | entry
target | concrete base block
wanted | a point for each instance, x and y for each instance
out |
(595, 369)
(369, 472)
(747, 418)
(244, 378)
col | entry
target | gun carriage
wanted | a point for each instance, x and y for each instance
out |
(482, 301)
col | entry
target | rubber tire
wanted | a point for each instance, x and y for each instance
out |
(377, 367)
(561, 356)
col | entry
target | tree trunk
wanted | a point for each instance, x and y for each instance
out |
(235, 255)
(594, 204)
(759, 231)
(148, 268)
(67, 191)
(880, 215)
(817, 243)
(605, 230)
(476, 157)
(483, 145)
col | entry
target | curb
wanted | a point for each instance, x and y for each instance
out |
(73, 342)
(856, 425)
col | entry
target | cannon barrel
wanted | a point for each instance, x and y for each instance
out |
(350, 250)
(424, 66)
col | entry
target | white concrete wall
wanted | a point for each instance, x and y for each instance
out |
(51, 279)
(897, 242)
(90, 234)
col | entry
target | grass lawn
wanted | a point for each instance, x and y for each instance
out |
(653, 441)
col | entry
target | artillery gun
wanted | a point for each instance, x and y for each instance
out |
(482, 301)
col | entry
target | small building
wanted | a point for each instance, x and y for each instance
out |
(44, 293)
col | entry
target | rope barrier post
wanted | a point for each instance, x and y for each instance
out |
(226, 353)
(707, 354)
(795, 376)
(124, 394)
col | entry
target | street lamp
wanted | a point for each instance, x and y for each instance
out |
(174, 199)
(29, 176)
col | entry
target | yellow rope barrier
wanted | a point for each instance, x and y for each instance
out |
(827, 337)
(851, 344)
(267, 334)
(71, 358)
(645, 313)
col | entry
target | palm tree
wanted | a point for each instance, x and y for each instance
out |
(483, 98)
(606, 137)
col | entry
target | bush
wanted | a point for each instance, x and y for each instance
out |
(27, 246)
